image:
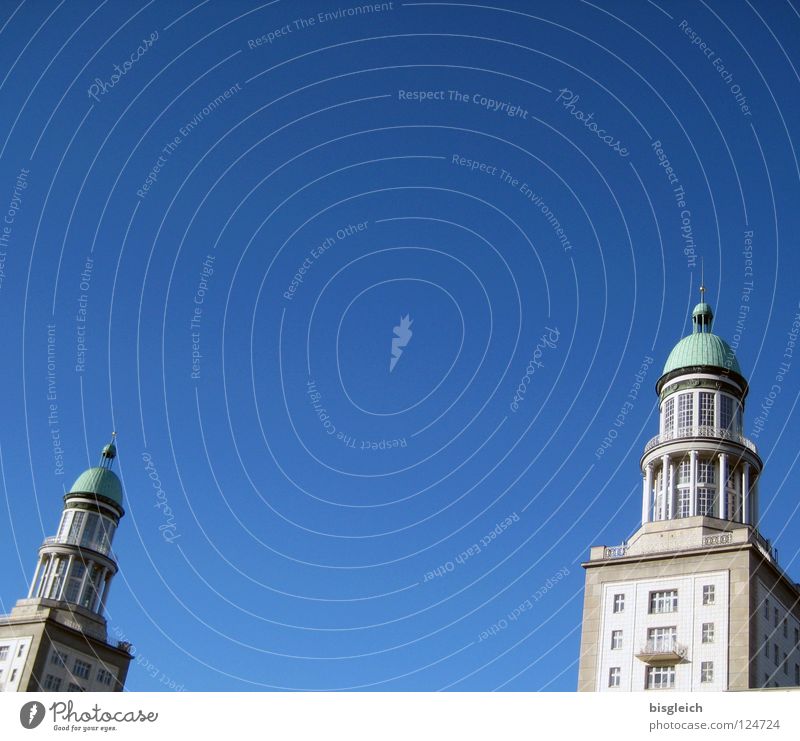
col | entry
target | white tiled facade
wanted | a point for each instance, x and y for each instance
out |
(13, 654)
(635, 620)
(778, 648)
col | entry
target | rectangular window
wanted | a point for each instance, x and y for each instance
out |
(13, 676)
(705, 472)
(706, 409)
(685, 410)
(776, 617)
(614, 676)
(785, 665)
(660, 677)
(74, 687)
(619, 602)
(104, 677)
(664, 639)
(74, 582)
(58, 658)
(705, 501)
(725, 412)
(664, 601)
(775, 654)
(766, 609)
(706, 671)
(90, 531)
(82, 669)
(797, 674)
(75, 527)
(669, 415)
(708, 594)
(22, 648)
(683, 502)
(785, 628)
(3, 652)
(51, 683)
(616, 639)
(708, 632)
(797, 637)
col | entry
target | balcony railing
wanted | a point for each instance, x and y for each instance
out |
(94, 545)
(717, 433)
(718, 539)
(664, 650)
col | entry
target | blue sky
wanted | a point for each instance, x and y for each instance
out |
(222, 211)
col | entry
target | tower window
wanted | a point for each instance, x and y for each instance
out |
(664, 601)
(705, 501)
(75, 527)
(614, 676)
(708, 594)
(705, 472)
(660, 677)
(616, 639)
(706, 409)
(619, 602)
(51, 683)
(669, 415)
(685, 410)
(725, 412)
(708, 632)
(706, 671)
(82, 669)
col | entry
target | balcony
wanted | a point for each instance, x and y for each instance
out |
(93, 545)
(716, 540)
(665, 651)
(714, 433)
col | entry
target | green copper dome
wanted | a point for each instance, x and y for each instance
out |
(99, 481)
(702, 347)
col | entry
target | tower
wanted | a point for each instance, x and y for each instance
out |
(695, 599)
(55, 639)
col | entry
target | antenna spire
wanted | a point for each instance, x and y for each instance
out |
(702, 280)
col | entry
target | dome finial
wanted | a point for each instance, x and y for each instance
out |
(109, 452)
(702, 280)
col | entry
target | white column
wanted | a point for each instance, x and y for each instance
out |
(722, 486)
(673, 488)
(63, 587)
(746, 494)
(756, 503)
(647, 493)
(664, 487)
(89, 565)
(35, 577)
(101, 608)
(693, 483)
(55, 562)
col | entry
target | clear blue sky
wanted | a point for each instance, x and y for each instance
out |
(332, 523)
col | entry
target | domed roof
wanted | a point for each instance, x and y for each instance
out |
(702, 347)
(100, 481)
